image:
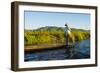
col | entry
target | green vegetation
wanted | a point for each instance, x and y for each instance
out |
(54, 35)
(80, 35)
(34, 38)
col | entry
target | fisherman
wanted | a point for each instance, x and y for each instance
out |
(68, 34)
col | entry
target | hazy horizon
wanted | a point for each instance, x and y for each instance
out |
(56, 26)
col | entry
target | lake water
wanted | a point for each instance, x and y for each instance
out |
(81, 50)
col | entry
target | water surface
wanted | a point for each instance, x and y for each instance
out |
(80, 51)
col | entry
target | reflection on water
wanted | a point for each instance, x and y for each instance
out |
(80, 51)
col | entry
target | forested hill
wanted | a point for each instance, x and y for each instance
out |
(55, 28)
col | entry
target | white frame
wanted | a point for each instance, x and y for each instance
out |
(23, 64)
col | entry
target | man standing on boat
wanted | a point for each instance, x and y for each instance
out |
(68, 34)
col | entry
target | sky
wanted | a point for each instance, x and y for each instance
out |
(36, 19)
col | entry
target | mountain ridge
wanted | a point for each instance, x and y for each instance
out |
(55, 28)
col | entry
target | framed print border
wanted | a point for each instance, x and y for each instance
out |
(15, 33)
